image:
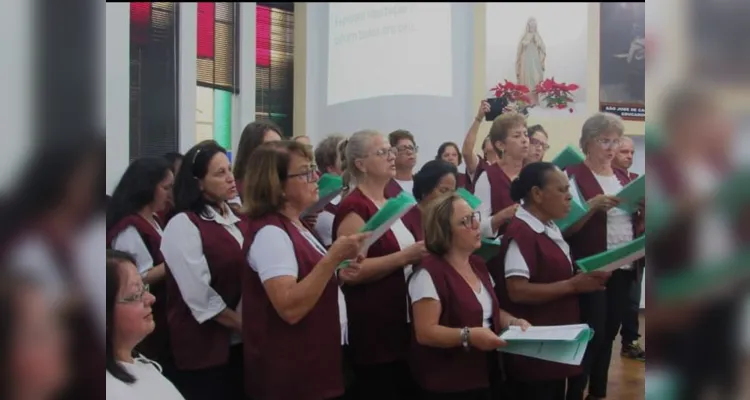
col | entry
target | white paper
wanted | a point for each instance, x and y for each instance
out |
(559, 332)
(382, 229)
(562, 352)
(624, 262)
(321, 203)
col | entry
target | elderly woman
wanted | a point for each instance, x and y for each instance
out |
(456, 314)
(328, 158)
(538, 281)
(129, 321)
(376, 294)
(603, 228)
(290, 291)
(437, 177)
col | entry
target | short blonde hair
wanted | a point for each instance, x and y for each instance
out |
(438, 230)
(599, 124)
(263, 190)
(502, 125)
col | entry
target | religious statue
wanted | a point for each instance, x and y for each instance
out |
(530, 59)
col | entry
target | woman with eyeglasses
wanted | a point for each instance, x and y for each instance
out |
(537, 281)
(603, 228)
(406, 158)
(492, 185)
(376, 293)
(295, 310)
(456, 315)
(129, 321)
(538, 144)
(134, 226)
(202, 247)
(436, 178)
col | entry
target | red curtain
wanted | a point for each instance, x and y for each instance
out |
(262, 36)
(206, 18)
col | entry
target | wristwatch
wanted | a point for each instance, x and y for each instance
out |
(465, 338)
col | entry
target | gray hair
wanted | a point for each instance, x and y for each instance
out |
(327, 151)
(599, 124)
(357, 147)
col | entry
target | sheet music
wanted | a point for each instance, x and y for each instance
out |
(378, 232)
(559, 332)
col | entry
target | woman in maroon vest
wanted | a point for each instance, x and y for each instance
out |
(255, 134)
(376, 293)
(202, 247)
(492, 185)
(328, 160)
(134, 227)
(456, 315)
(291, 297)
(603, 228)
(536, 280)
(436, 178)
(449, 152)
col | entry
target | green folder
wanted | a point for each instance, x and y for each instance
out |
(381, 222)
(473, 201)
(662, 386)
(632, 194)
(568, 156)
(490, 248)
(578, 209)
(613, 259)
(328, 184)
(565, 344)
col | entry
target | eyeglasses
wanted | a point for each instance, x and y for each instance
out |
(385, 152)
(609, 143)
(311, 175)
(539, 143)
(469, 220)
(407, 148)
(136, 297)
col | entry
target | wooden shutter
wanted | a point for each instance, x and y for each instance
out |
(274, 76)
(154, 103)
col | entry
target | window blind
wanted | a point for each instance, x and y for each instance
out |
(274, 74)
(153, 78)
(217, 46)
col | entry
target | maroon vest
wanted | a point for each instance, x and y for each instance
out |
(206, 345)
(283, 361)
(393, 189)
(331, 208)
(413, 222)
(592, 238)
(156, 345)
(463, 181)
(547, 264)
(378, 331)
(454, 369)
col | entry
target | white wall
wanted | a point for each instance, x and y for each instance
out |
(118, 81)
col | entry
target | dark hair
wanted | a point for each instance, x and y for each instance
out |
(173, 157)
(398, 135)
(537, 128)
(444, 146)
(534, 174)
(136, 188)
(12, 283)
(115, 258)
(43, 183)
(426, 180)
(327, 152)
(252, 137)
(187, 193)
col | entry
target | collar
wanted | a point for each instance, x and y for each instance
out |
(533, 222)
(212, 215)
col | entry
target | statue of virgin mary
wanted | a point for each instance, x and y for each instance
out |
(530, 59)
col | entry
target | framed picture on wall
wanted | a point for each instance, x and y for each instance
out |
(622, 60)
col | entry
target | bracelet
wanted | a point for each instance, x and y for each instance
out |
(465, 338)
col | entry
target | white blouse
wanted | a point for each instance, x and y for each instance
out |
(182, 249)
(272, 255)
(324, 225)
(149, 383)
(421, 286)
(129, 240)
(619, 222)
(515, 264)
(483, 191)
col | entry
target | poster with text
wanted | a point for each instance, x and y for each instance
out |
(622, 60)
(543, 47)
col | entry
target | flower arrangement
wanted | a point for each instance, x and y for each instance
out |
(516, 94)
(556, 94)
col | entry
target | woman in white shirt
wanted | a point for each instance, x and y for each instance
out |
(290, 288)
(328, 158)
(456, 315)
(129, 320)
(202, 247)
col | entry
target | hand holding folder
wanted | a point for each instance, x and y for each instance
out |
(563, 344)
(613, 259)
(381, 222)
